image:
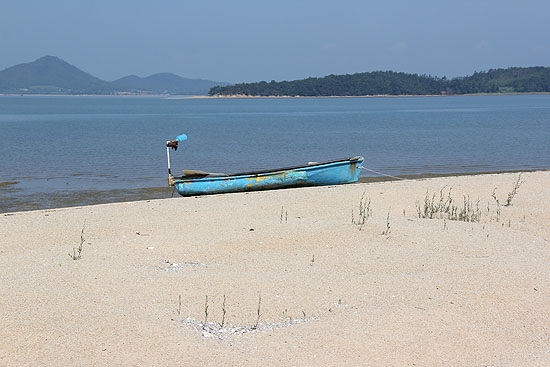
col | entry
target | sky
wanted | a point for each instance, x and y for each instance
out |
(253, 40)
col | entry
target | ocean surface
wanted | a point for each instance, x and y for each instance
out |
(57, 151)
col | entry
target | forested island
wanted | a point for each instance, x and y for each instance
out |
(511, 80)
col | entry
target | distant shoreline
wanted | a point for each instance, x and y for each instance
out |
(87, 95)
(238, 96)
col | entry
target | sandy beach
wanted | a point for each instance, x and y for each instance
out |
(295, 277)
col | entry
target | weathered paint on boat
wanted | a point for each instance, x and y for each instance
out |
(318, 174)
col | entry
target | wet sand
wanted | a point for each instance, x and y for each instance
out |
(398, 290)
(14, 199)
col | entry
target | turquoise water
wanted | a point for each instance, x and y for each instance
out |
(60, 144)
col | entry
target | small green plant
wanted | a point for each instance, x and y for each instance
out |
(223, 312)
(433, 208)
(258, 312)
(285, 216)
(494, 195)
(388, 227)
(468, 213)
(77, 252)
(206, 311)
(515, 187)
(365, 212)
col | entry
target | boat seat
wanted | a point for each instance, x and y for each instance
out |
(190, 173)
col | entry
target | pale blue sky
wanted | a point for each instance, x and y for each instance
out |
(252, 40)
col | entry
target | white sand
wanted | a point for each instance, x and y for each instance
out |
(432, 292)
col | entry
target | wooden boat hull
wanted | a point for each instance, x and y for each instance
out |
(327, 173)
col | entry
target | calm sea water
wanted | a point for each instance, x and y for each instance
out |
(73, 144)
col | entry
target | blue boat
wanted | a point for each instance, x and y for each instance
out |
(193, 183)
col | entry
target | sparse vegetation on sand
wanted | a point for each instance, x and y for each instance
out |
(224, 330)
(77, 252)
(515, 187)
(444, 207)
(364, 212)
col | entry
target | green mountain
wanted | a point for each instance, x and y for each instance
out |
(511, 80)
(166, 83)
(51, 75)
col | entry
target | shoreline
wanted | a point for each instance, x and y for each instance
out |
(85, 95)
(238, 96)
(61, 199)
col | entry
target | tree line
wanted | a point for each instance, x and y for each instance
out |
(511, 80)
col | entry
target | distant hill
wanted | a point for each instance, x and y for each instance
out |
(51, 75)
(511, 80)
(166, 83)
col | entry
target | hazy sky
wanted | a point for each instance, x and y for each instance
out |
(252, 40)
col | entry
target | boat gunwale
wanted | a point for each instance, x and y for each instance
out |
(271, 172)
